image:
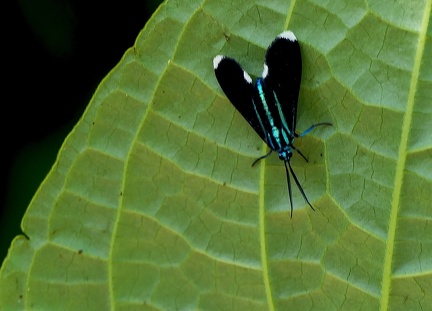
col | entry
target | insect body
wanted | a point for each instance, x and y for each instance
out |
(270, 106)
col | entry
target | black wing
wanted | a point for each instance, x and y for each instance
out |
(282, 72)
(237, 86)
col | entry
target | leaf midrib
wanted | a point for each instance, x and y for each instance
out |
(401, 160)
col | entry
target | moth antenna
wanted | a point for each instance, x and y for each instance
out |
(299, 186)
(289, 185)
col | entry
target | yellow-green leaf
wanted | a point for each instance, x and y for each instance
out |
(152, 203)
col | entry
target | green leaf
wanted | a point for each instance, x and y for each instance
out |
(152, 203)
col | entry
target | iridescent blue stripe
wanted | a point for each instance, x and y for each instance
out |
(277, 138)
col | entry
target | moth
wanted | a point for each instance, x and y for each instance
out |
(270, 105)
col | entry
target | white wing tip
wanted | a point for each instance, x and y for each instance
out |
(217, 60)
(247, 77)
(265, 71)
(289, 35)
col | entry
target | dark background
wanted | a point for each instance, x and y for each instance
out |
(56, 53)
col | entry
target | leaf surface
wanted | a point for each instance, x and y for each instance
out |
(152, 203)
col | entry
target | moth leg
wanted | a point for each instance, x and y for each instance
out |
(311, 128)
(299, 152)
(262, 157)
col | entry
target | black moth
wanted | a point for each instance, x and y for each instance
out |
(270, 106)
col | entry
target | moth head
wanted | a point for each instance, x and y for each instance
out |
(285, 154)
